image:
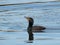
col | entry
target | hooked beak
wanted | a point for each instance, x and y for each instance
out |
(27, 18)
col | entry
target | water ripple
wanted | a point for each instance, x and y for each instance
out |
(20, 3)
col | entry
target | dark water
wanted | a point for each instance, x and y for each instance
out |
(13, 25)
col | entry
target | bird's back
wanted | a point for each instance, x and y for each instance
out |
(38, 28)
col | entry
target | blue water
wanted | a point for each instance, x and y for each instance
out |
(47, 14)
(13, 25)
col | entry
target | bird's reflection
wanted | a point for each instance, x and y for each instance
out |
(30, 41)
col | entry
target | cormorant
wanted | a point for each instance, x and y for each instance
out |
(35, 28)
(32, 28)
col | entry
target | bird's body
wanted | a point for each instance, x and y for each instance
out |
(35, 28)
(38, 28)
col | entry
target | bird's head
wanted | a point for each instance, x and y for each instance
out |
(30, 20)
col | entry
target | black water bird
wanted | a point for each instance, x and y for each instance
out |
(32, 28)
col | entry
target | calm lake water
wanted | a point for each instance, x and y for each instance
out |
(13, 25)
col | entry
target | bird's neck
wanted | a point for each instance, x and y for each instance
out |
(30, 24)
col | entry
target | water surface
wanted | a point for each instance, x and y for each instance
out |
(13, 25)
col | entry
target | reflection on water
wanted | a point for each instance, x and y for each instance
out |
(29, 41)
